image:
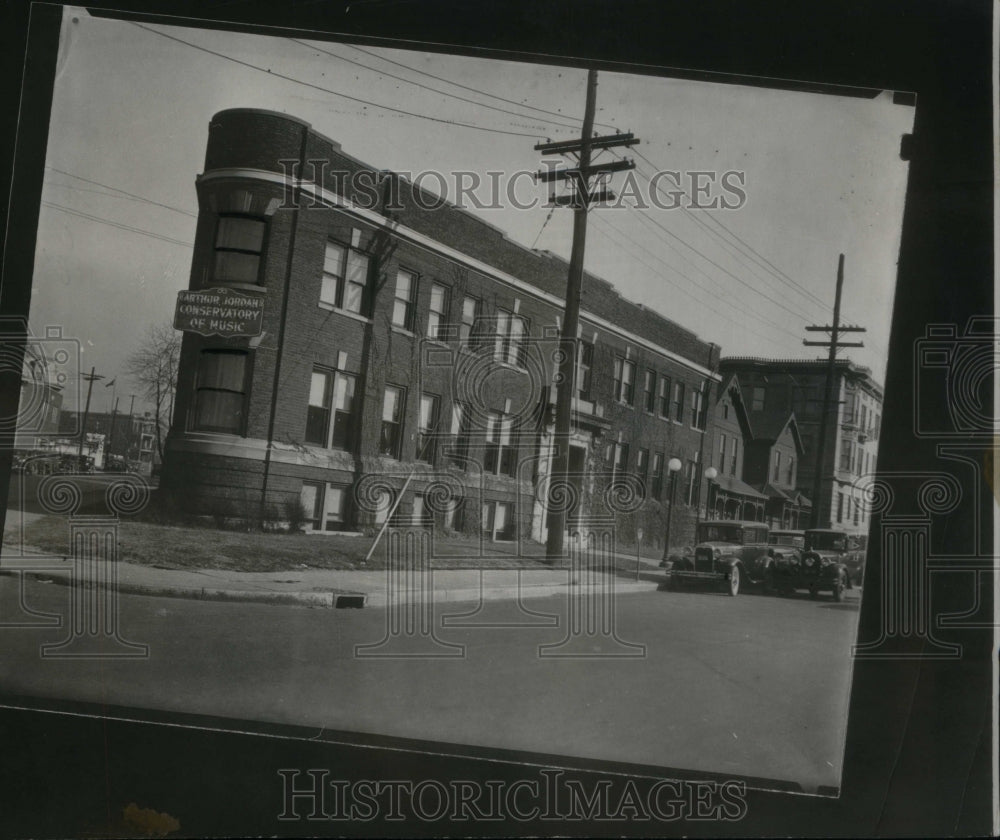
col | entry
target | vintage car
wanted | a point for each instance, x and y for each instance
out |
(788, 545)
(732, 553)
(821, 566)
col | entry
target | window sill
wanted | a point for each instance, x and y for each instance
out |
(402, 331)
(329, 307)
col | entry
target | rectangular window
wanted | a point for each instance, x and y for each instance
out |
(757, 399)
(649, 391)
(345, 279)
(467, 330)
(331, 392)
(702, 420)
(239, 242)
(624, 381)
(657, 475)
(392, 421)
(790, 477)
(734, 454)
(498, 521)
(461, 429)
(621, 458)
(219, 396)
(679, 402)
(584, 364)
(777, 466)
(499, 457)
(845, 454)
(429, 408)
(664, 397)
(403, 303)
(642, 468)
(318, 412)
(344, 416)
(437, 320)
(509, 342)
(691, 481)
(325, 505)
(840, 507)
(722, 453)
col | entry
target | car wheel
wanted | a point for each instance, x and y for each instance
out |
(734, 581)
(838, 588)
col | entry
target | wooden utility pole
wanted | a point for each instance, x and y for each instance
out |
(580, 200)
(831, 369)
(90, 377)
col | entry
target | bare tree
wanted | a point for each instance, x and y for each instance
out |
(153, 368)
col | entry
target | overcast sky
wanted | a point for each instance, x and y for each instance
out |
(131, 108)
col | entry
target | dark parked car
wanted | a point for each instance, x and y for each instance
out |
(822, 566)
(730, 552)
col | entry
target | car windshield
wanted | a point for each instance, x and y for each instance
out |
(787, 539)
(720, 533)
(825, 541)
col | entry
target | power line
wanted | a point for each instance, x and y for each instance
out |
(468, 87)
(133, 196)
(366, 102)
(114, 224)
(428, 87)
(772, 271)
(691, 280)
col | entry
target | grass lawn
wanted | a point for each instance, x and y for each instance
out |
(186, 547)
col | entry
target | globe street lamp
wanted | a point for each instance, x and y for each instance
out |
(673, 465)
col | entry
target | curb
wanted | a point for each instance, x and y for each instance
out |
(329, 598)
(332, 599)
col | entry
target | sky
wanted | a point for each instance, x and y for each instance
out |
(132, 102)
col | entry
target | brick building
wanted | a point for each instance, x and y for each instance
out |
(407, 352)
(779, 387)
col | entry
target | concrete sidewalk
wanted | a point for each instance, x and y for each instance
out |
(335, 588)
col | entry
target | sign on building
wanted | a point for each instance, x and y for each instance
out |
(219, 311)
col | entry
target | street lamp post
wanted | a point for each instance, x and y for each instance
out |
(710, 474)
(673, 465)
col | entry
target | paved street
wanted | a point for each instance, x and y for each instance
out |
(753, 685)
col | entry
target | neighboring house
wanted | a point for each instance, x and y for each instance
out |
(732, 496)
(413, 347)
(774, 455)
(783, 386)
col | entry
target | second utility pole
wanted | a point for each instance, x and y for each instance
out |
(828, 404)
(580, 200)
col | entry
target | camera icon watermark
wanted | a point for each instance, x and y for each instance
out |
(958, 371)
(49, 368)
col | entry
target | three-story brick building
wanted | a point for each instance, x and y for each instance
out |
(407, 353)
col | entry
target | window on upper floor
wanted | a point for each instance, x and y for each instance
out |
(437, 319)
(678, 402)
(345, 279)
(508, 345)
(468, 329)
(649, 391)
(584, 366)
(404, 300)
(663, 397)
(239, 243)
(657, 489)
(500, 455)
(624, 381)
(757, 399)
